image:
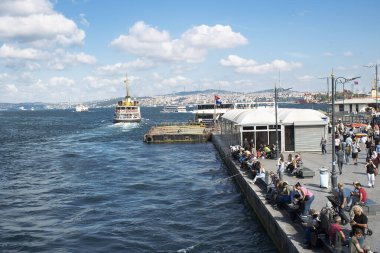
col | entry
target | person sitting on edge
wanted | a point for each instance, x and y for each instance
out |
(359, 196)
(307, 197)
(359, 222)
(285, 196)
(311, 225)
(355, 243)
(260, 171)
(268, 152)
(336, 228)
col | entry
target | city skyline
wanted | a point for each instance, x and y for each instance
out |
(51, 51)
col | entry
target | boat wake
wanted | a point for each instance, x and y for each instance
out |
(126, 127)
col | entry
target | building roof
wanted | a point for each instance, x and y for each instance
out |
(357, 101)
(266, 116)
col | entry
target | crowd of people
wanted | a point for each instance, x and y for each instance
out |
(347, 148)
(297, 199)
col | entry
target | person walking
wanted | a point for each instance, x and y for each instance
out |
(370, 173)
(281, 167)
(323, 145)
(355, 151)
(340, 159)
(347, 153)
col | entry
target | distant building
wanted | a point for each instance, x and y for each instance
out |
(355, 105)
(298, 129)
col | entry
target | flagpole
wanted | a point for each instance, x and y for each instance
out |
(214, 117)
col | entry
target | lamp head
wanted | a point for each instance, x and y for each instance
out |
(354, 78)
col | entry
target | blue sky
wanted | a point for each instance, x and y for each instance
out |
(54, 51)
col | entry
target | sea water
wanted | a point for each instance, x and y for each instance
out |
(75, 182)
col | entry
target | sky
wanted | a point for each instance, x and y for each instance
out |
(81, 50)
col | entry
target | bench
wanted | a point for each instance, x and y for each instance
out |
(306, 172)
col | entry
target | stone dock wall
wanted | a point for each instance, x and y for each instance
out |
(256, 200)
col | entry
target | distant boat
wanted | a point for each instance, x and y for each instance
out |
(174, 108)
(127, 110)
(81, 108)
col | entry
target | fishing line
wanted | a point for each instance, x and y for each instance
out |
(220, 180)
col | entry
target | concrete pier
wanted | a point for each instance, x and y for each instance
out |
(286, 235)
(180, 132)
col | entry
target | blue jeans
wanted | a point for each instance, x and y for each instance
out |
(308, 205)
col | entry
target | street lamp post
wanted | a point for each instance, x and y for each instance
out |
(376, 88)
(275, 111)
(334, 81)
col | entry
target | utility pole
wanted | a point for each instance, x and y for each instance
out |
(275, 110)
(376, 84)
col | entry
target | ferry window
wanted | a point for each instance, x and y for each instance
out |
(249, 128)
(274, 127)
(341, 108)
(261, 127)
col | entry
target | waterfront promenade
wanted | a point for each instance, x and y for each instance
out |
(314, 161)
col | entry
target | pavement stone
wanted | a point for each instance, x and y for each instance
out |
(351, 173)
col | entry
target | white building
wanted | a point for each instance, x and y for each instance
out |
(355, 105)
(298, 129)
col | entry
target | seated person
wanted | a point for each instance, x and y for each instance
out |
(258, 171)
(359, 222)
(285, 195)
(355, 245)
(336, 228)
(311, 225)
(268, 152)
(358, 196)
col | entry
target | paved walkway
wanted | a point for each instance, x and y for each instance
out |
(351, 173)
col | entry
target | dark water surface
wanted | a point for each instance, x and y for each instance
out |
(75, 182)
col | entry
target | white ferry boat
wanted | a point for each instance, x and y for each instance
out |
(81, 108)
(127, 110)
(174, 108)
(210, 113)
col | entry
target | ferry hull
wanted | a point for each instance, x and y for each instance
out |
(126, 120)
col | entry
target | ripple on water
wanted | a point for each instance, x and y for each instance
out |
(77, 183)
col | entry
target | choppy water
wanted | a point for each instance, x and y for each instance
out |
(75, 182)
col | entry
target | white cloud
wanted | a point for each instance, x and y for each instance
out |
(60, 59)
(242, 65)
(11, 88)
(217, 36)
(122, 67)
(348, 54)
(83, 20)
(36, 22)
(149, 42)
(306, 78)
(61, 81)
(9, 51)
(329, 54)
(24, 7)
(176, 81)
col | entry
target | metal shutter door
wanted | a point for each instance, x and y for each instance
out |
(308, 138)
